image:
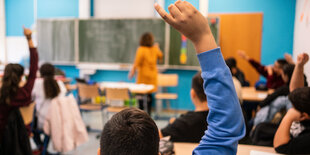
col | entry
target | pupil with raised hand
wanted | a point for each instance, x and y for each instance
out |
(225, 122)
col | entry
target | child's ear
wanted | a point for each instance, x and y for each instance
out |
(304, 116)
(193, 94)
(98, 152)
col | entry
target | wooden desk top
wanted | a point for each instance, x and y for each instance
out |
(250, 94)
(133, 87)
(187, 148)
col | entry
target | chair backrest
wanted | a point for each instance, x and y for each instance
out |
(167, 80)
(117, 94)
(88, 91)
(27, 113)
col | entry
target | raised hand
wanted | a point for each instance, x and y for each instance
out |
(243, 55)
(27, 33)
(288, 58)
(302, 59)
(190, 22)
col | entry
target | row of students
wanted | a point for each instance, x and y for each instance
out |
(132, 131)
(293, 134)
(12, 97)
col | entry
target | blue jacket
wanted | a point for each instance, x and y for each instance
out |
(225, 120)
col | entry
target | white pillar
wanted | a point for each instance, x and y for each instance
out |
(84, 8)
(3, 55)
(203, 7)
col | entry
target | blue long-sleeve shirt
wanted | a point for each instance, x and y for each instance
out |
(225, 120)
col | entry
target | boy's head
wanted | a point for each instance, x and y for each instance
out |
(300, 99)
(130, 132)
(197, 92)
(278, 66)
(232, 64)
(287, 73)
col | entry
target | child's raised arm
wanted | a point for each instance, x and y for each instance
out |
(298, 74)
(225, 119)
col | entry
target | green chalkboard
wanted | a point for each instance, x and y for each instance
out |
(116, 40)
(56, 40)
(176, 45)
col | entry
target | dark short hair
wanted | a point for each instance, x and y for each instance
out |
(197, 85)
(130, 132)
(288, 70)
(282, 63)
(300, 99)
(231, 62)
(147, 39)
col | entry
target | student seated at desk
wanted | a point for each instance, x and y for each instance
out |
(231, 63)
(236, 72)
(45, 89)
(293, 134)
(13, 133)
(276, 101)
(190, 127)
(271, 73)
(225, 121)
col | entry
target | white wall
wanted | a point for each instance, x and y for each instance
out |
(17, 49)
(124, 8)
(302, 31)
(2, 32)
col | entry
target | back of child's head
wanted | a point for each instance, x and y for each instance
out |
(130, 132)
(231, 62)
(300, 99)
(197, 86)
(51, 88)
(147, 40)
(10, 82)
(288, 70)
(282, 63)
(47, 69)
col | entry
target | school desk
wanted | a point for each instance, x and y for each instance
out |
(133, 88)
(251, 94)
(187, 148)
(71, 87)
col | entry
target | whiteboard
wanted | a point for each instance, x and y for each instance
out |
(302, 32)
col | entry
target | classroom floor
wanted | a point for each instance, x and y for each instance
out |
(94, 121)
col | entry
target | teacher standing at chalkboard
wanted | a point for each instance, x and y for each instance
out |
(146, 64)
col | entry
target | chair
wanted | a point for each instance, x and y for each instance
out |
(87, 92)
(27, 113)
(115, 99)
(165, 81)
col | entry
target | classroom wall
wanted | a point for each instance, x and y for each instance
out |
(23, 12)
(302, 31)
(278, 23)
(2, 32)
(124, 8)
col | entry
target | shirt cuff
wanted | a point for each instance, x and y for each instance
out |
(210, 60)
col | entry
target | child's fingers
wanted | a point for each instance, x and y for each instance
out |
(181, 6)
(189, 5)
(174, 11)
(168, 18)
